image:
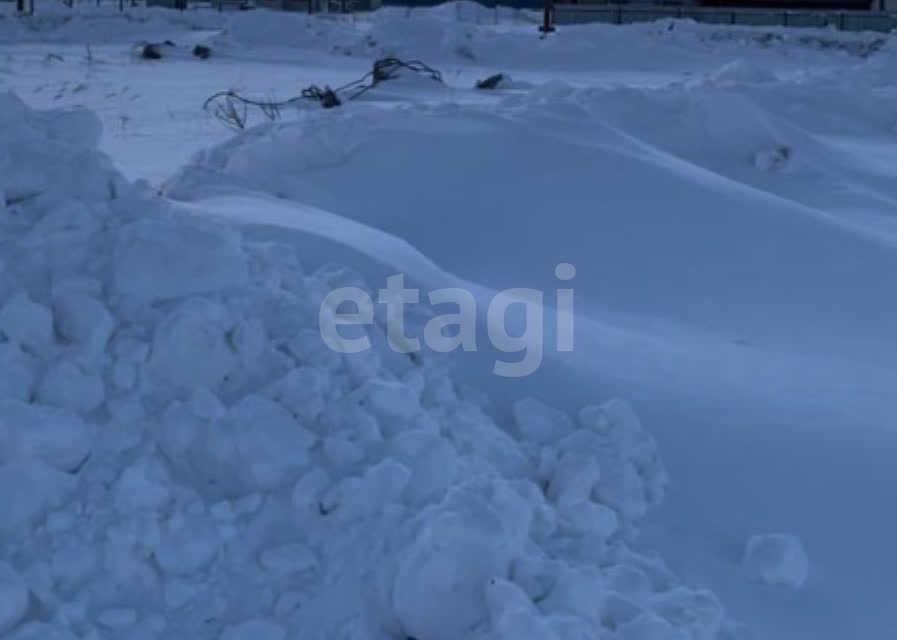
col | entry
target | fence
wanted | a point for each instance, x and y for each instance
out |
(884, 21)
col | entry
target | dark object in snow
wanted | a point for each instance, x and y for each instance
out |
(491, 82)
(159, 50)
(388, 69)
(202, 52)
(148, 51)
(778, 159)
(326, 96)
(151, 50)
(231, 108)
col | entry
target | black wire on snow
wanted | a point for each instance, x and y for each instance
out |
(388, 69)
(232, 108)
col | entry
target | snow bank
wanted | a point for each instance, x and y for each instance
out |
(720, 164)
(258, 158)
(264, 28)
(84, 23)
(742, 123)
(180, 456)
(468, 33)
(736, 119)
(429, 34)
(454, 32)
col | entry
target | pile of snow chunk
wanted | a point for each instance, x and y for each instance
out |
(182, 457)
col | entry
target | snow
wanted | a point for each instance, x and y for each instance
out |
(69, 386)
(200, 465)
(82, 320)
(54, 22)
(183, 456)
(118, 618)
(18, 372)
(13, 598)
(255, 630)
(27, 323)
(30, 489)
(154, 264)
(777, 559)
(58, 437)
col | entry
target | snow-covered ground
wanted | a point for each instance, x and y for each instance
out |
(728, 198)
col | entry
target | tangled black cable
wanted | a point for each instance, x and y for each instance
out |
(388, 69)
(232, 108)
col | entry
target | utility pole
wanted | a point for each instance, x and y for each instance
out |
(547, 25)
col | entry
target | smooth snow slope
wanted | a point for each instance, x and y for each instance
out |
(716, 256)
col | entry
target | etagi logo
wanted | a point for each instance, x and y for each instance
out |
(514, 321)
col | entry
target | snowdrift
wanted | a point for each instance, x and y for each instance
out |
(755, 436)
(55, 22)
(182, 457)
(470, 34)
(745, 134)
(449, 33)
(642, 193)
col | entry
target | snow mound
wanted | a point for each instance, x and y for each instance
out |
(741, 72)
(264, 28)
(13, 598)
(83, 23)
(427, 34)
(466, 32)
(790, 41)
(323, 140)
(180, 455)
(777, 559)
(708, 124)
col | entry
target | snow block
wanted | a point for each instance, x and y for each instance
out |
(257, 629)
(288, 558)
(28, 323)
(68, 386)
(160, 258)
(777, 559)
(83, 320)
(29, 488)
(538, 422)
(190, 348)
(440, 587)
(512, 614)
(13, 598)
(40, 631)
(18, 372)
(187, 544)
(696, 611)
(144, 487)
(55, 436)
(258, 445)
